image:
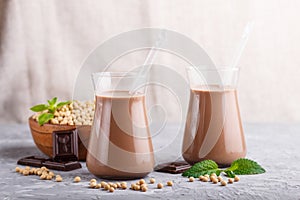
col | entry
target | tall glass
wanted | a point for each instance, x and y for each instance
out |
(213, 127)
(120, 144)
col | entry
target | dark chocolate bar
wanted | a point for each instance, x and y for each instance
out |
(32, 161)
(63, 166)
(49, 163)
(65, 145)
(173, 167)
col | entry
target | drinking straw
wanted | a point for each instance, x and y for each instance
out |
(242, 44)
(148, 62)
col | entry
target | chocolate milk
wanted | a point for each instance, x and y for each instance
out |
(213, 127)
(120, 145)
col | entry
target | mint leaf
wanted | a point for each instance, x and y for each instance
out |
(52, 106)
(229, 173)
(52, 101)
(202, 168)
(61, 104)
(44, 118)
(39, 108)
(244, 166)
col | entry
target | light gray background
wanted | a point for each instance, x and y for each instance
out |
(43, 44)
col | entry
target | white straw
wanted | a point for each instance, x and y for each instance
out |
(148, 62)
(242, 44)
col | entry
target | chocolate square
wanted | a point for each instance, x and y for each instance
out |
(65, 145)
(173, 167)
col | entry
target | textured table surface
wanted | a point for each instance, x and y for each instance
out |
(276, 147)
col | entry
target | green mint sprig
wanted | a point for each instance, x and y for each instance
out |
(242, 166)
(51, 107)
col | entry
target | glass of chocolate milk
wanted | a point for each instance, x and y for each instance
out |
(120, 145)
(213, 127)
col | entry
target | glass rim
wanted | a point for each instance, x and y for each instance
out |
(221, 69)
(125, 74)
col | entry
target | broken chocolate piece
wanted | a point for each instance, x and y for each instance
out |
(65, 145)
(49, 163)
(173, 167)
(31, 161)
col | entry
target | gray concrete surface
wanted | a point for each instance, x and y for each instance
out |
(276, 147)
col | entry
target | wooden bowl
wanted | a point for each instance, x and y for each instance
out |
(42, 136)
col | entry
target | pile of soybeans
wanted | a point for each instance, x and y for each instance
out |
(75, 113)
